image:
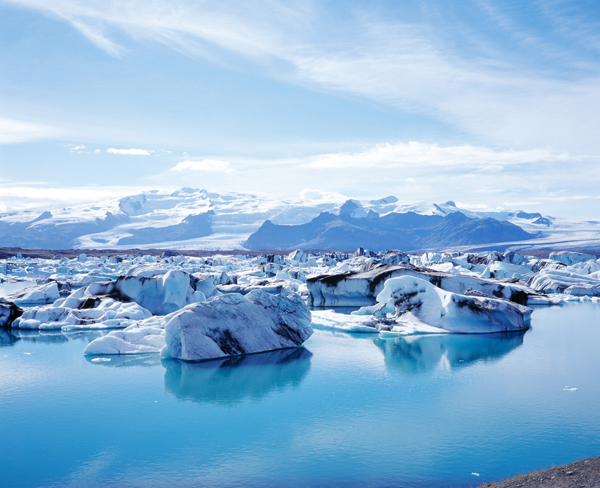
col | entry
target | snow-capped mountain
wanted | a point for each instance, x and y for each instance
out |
(197, 219)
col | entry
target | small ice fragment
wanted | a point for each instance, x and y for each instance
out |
(100, 360)
(568, 388)
(475, 474)
(28, 353)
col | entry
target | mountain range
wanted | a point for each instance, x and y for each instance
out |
(407, 231)
(198, 219)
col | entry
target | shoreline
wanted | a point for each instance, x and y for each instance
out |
(583, 473)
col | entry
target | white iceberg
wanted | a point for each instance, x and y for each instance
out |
(409, 305)
(413, 302)
(145, 336)
(234, 324)
(555, 281)
(37, 294)
(361, 288)
(106, 314)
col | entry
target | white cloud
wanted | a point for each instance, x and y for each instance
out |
(421, 155)
(308, 194)
(212, 165)
(78, 148)
(31, 195)
(129, 152)
(14, 131)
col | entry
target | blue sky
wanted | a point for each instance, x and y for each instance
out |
(483, 102)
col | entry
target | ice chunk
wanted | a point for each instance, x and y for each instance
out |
(298, 256)
(161, 294)
(328, 319)
(569, 258)
(234, 324)
(37, 294)
(146, 336)
(361, 288)
(9, 312)
(96, 313)
(415, 301)
(555, 281)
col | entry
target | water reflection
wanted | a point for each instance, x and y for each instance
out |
(7, 338)
(416, 354)
(239, 378)
(124, 360)
(55, 336)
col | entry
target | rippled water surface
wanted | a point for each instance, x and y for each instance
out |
(345, 410)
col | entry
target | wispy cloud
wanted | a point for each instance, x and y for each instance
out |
(503, 93)
(97, 37)
(422, 155)
(14, 131)
(211, 165)
(128, 152)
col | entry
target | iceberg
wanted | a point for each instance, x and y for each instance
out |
(142, 337)
(37, 294)
(409, 305)
(409, 301)
(555, 281)
(569, 258)
(361, 288)
(104, 313)
(234, 324)
(9, 312)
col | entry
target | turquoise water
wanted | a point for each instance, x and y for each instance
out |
(345, 410)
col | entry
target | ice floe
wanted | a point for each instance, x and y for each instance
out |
(196, 308)
(236, 324)
(409, 305)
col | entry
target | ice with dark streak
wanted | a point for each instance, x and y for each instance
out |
(361, 288)
(234, 324)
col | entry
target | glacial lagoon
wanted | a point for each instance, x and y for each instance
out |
(344, 410)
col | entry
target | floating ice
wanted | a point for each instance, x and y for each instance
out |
(361, 288)
(146, 336)
(235, 324)
(410, 305)
(139, 294)
(555, 281)
(37, 294)
(409, 301)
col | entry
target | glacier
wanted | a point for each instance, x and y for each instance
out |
(197, 219)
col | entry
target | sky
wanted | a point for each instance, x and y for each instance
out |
(492, 104)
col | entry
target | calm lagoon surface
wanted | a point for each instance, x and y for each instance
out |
(345, 410)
